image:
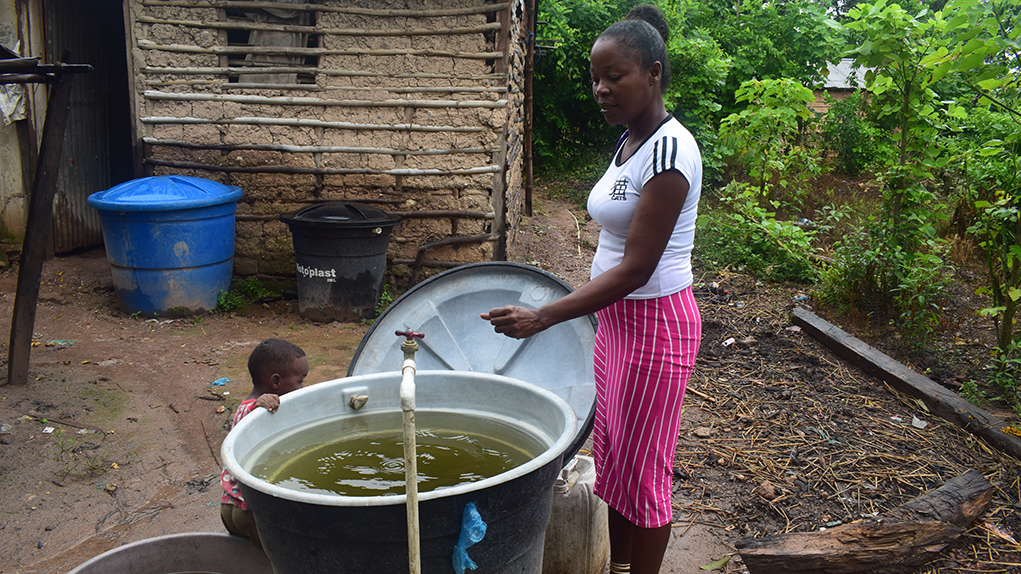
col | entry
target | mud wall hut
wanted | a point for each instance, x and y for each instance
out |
(842, 80)
(415, 109)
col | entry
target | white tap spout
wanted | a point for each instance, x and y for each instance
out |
(407, 392)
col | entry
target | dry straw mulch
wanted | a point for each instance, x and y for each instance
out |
(780, 435)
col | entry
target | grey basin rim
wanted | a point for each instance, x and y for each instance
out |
(586, 416)
(141, 553)
(241, 475)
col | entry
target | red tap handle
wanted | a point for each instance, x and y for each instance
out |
(410, 334)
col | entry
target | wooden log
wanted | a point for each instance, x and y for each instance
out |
(419, 261)
(24, 79)
(430, 263)
(19, 65)
(441, 213)
(242, 69)
(938, 399)
(499, 197)
(309, 7)
(435, 214)
(225, 85)
(896, 542)
(243, 50)
(299, 101)
(314, 149)
(310, 124)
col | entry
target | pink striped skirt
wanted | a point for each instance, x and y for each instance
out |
(644, 353)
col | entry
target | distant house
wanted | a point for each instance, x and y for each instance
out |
(841, 81)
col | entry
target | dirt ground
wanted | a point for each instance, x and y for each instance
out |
(116, 437)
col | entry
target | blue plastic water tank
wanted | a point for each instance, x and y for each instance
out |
(169, 240)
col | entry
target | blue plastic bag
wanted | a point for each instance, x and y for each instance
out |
(473, 530)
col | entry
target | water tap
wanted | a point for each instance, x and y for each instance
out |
(409, 346)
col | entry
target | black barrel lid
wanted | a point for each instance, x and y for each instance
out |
(342, 214)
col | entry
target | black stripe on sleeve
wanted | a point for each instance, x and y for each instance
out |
(663, 161)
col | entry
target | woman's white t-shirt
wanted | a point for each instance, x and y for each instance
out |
(614, 199)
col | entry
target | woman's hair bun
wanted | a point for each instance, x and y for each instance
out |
(653, 16)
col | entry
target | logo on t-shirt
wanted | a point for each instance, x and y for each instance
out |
(619, 191)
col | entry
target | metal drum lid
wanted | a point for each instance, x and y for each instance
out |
(446, 309)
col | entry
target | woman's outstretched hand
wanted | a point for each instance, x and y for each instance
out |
(515, 322)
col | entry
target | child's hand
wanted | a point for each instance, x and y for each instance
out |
(268, 401)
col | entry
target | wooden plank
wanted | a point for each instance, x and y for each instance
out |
(40, 212)
(309, 7)
(938, 399)
(323, 170)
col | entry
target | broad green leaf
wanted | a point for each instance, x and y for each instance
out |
(971, 61)
(935, 56)
(1014, 293)
(975, 44)
(941, 70)
(957, 20)
(992, 83)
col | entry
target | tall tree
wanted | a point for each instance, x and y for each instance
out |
(769, 40)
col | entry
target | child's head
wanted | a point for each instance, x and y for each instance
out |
(277, 366)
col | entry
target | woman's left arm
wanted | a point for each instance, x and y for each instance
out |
(659, 206)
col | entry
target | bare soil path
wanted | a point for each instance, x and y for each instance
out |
(116, 437)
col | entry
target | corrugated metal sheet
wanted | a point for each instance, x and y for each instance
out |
(85, 162)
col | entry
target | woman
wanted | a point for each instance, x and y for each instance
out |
(640, 289)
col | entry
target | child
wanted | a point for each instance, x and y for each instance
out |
(277, 367)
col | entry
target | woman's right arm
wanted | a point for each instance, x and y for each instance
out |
(659, 206)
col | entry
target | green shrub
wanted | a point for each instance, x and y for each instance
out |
(875, 275)
(858, 144)
(751, 240)
(1006, 375)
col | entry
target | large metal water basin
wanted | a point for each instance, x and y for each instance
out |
(312, 533)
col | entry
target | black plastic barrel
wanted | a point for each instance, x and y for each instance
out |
(340, 252)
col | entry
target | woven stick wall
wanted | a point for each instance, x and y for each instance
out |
(416, 110)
